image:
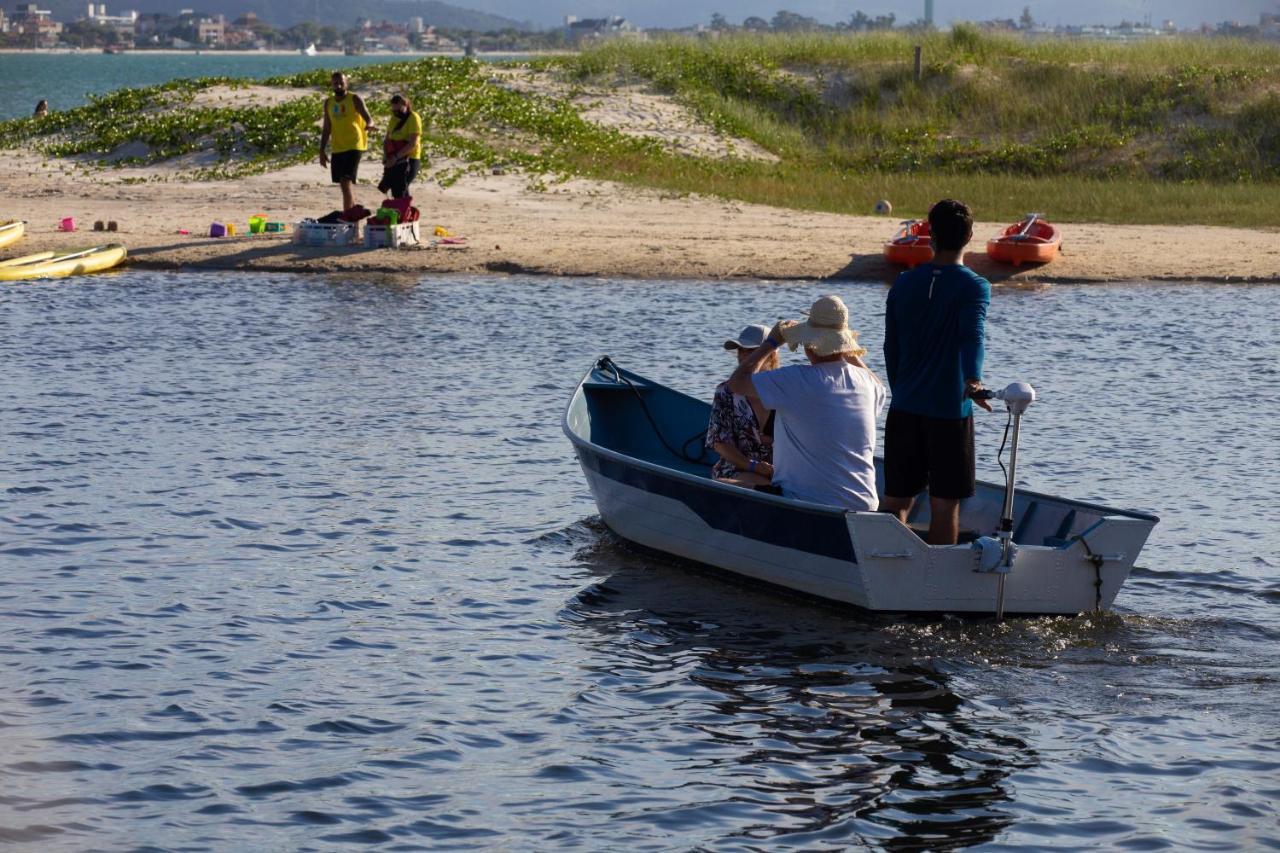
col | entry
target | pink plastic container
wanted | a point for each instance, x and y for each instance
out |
(67, 224)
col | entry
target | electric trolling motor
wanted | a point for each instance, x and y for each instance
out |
(997, 555)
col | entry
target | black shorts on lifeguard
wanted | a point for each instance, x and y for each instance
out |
(344, 165)
(921, 452)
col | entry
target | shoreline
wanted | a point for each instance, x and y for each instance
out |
(579, 228)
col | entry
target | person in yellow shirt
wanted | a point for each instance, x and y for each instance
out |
(348, 124)
(402, 148)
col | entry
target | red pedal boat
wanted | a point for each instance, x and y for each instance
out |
(910, 246)
(1031, 241)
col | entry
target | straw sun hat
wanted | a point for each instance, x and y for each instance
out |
(827, 331)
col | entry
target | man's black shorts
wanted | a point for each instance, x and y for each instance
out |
(932, 452)
(344, 164)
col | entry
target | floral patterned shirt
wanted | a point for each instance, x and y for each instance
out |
(733, 421)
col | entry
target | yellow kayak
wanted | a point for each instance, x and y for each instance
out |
(50, 265)
(11, 232)
(27, 259)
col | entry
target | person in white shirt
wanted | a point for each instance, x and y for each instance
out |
(825, 429)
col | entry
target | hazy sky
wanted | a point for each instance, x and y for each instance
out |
(1185, 13)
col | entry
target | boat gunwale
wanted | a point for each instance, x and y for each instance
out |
(685, 476)
(34, 259)
(779, 500)
(1008, 236)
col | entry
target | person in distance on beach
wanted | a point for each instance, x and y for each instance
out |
(348, 124)
(737, 431)
(402, 148)
(825, 424)
(42, 109)
(933, 349)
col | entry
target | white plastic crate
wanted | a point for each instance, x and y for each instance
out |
(404, 234)
(325, 234)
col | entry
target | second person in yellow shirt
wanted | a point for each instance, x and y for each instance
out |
(402, 148)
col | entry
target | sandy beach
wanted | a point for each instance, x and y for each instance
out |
(579, 228)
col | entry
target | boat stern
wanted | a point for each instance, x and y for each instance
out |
(901, 572)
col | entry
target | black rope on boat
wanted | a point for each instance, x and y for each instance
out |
(606, 363)
(1097, 561)
(1000, 452)
(701, 438)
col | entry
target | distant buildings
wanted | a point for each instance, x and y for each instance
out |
(211, 31)
(35, 26)
(579, 30)
(124, 23)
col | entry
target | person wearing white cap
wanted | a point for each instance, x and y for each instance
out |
(825, 431)
(737, 428)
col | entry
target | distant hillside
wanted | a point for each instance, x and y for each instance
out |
(286, 13)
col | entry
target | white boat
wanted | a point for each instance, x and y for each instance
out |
(1030, 553)
(309, 50)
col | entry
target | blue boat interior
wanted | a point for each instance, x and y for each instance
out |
(638, 418)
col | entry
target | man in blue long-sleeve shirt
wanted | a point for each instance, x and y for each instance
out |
(933, 350)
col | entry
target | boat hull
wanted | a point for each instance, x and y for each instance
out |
(911, 246)
(1038, 245)
(43, 265)
(865, 559)
(11, 232)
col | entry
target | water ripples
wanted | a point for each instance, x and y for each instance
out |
(303, 563)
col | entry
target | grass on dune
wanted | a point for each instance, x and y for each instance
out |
(993, 197)
(1186, 109)
(963, 43)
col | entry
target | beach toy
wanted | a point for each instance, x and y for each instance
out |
(883, 207)
(387, 216)
(441, 231)
(113, 226)
(257, 223)
(275, 227)
(184, 232)
(217, 229)
(231, 230)
(67, 224)
(99, 226)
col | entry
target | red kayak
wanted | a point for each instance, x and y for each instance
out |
(1031, 241)
(910, 246)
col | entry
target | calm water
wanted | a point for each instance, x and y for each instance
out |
(66, 80)
(291, 563)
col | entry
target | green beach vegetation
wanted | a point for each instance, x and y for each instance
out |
(1179, 130)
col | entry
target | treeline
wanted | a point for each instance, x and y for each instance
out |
(785, 21)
